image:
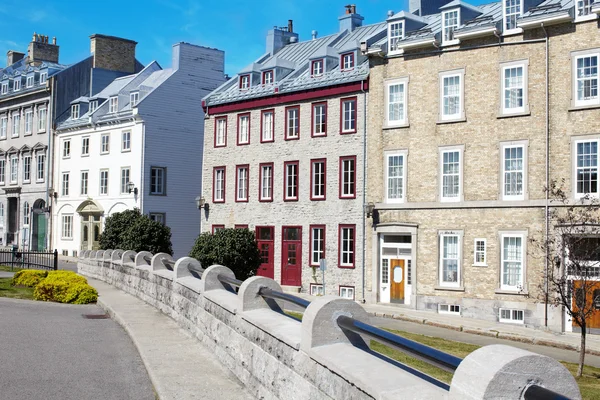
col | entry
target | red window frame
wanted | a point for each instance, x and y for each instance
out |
(341, 177)
(287, 110)
(262, 116)
(260, 180)
(264, 74)
(340, 228)
(285, 165)
(310, 242)
(242, 78)
(312, 67)
(237, 171)
(215, 227)
(342, 101)
(239, 116)
(215, 169)
(313, 116)
(347, 287)
(312, 170)
(351, 54)
(240, 226)
(217, 119)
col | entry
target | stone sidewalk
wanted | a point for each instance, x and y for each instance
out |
(179, 366)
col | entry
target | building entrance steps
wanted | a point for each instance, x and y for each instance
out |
(179, 366)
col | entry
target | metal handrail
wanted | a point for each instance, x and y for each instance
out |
(273, 294)
(535, 392)
(167, 263)
(437, 358)
(229, 280)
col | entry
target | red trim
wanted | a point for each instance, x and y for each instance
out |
(262, 117)
(312, 119)
(354, 99)
(310, 242)
(241, 226)
(340, 227)
(237, 171)
(342, 61)
(260, 176)
(278, 99)
(272, 77)
(285, 134)
(347, 287)
(312, 67)
(285, 164)
(249, 82)
(312, 174)
(217, 119)
(215, 169)
(341, 180)
(238, 129)
(215, 227)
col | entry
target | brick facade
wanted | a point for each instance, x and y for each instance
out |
(113, 53)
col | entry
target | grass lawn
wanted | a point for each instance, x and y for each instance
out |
(7, 290)
(7, 268)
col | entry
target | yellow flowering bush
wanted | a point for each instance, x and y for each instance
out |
(28, 277)
(58, 286)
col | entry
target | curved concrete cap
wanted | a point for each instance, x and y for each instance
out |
(140, 261)
(107, 254)
(210, 280)
(157, 262)
(116, 255)
(251, 300)
(182, 267)
(319, 324)
(504, 372)
(128, 256)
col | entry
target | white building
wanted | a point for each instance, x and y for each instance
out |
(135, 144)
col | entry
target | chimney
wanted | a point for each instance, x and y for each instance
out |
(279, 37)
(350, 20)
(13, 56)
(314, 35)
(426, 7)
(113, 53)
(40, 49)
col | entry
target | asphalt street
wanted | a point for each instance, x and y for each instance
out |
(49, 351)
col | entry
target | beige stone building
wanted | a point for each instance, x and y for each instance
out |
(472, 111)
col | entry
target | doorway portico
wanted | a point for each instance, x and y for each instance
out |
(90, 213)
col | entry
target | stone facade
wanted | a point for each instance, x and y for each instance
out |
(113, 53)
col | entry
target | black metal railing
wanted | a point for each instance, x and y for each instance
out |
(273, 294)
(236, 283)
(30, 259)
(535, 392)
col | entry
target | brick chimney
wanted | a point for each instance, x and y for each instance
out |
(278, 38)
(40, 49)
(113, 53)
(350, 20)
(13, 56)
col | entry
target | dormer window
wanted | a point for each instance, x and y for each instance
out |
(17, 84)
(584, 7)
(4, 89)
(43, 77)
(512, 11)
(93, 106)
(395, 34)
(450, 21)
(29, 82)
(267, 77)
(113, 104)
(347, 61)
(134, 99)
(245, 82)
(316, 68)
(75, 111)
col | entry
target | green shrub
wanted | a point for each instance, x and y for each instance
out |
(65, 291)
(67, 276)
(28, 277)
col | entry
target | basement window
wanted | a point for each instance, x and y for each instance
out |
(512, 316)
(316, 289)
(448, 309)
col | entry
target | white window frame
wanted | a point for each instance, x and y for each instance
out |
(349, 112)
(477, 251)
(93, 106)
(319, 119)
(346, 292)
(318, 171)
(575, 144)
(28, 121)
(243, 185)
(42, 114)
(40, 162)
(576, 56)
(16, 125)
(243, 129)
(515, 29)
(450, 41)
(513, 313)
(583, 10)
(316, 289)
(460, 115)
(84, 183)
(17, 84)
(288, 179)
(441, 281)
(158, 217)
(66, 153)
(317, 67)
(351, 252)
(134, 99)
(388, 155)
(125, 141)
(105, 143)
(394, 39)
(160, 187)
(268, 126)
(442, 151)
(403, 121)
(524, 109)
(43, 77)
(27, 168)
(348, 65)
(30, 80)
(113, 104)
(75, 111)
(14, 169)
(524, 145)
(4, 88)
(85, 146)
(125, 179)
(245, 82)
(266, 183)
(3, 127)
(2, 171)
(317, 244)
(523, 237)
(67, 226)
(451, 309)
(268, 74)
(220, 140)
(346, 185)
(219, 179)
(292, 116)
(64, 185)
(104, 175)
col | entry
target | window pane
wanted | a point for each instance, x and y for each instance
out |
(512, 261)
(395, 177)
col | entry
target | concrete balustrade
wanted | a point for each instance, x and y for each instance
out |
(278, 357)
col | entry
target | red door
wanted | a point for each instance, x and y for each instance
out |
(291, 256)
(266, 244)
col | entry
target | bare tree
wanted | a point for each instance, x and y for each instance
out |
(572, 251)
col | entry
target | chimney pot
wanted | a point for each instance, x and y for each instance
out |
(314, 35)
(290, 26)
(390, 14)
(54, 40)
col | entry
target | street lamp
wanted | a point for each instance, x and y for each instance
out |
(202, 204)
(131, 188)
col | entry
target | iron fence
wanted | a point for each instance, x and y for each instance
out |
(29, 259)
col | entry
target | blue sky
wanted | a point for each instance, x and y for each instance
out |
(238, 27)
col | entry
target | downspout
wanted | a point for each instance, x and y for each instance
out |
(50, 162)
(364, 216)
(546, 211)
(142, 170)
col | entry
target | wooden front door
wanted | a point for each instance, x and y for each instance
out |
(291, 256)
(91, 227)
(397, 281)
(266, 243)
(593, 297)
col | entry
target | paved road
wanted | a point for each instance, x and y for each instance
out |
(49, 351)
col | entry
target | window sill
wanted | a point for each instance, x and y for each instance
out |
(346, 267)
(480, 265)
(126, 151)
(451, 121)
(586, 18)
(511, 292)
(585, 107)
(525, 113)
(40, 132)
(397, 126)
(514, 31)
(450, 289)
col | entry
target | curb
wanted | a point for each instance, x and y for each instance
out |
(493, 334)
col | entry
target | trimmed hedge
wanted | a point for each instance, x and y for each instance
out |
(67, 276)
(28, 277)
